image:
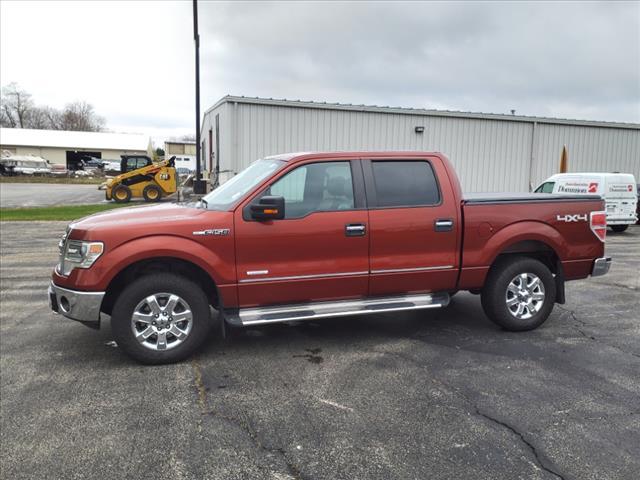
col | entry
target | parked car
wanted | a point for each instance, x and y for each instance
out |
(617, 189)
(638, 204)
(310, 236)
(25, 165)
(112, 167)
(91, 163)
(59, 170)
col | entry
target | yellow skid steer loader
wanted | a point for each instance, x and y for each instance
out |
(140, 177)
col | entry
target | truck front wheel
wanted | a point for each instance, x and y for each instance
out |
(161, 318)
(519, 293)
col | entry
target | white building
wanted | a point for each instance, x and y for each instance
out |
(68, 148)
(491, 152)
(185, 153)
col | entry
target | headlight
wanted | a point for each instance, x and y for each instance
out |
(78, 254)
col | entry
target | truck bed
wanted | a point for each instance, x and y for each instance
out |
(519, 222)
(483, 198)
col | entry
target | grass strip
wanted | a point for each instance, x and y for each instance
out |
(65, 212)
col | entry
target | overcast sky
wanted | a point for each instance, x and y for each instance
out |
(134, 61)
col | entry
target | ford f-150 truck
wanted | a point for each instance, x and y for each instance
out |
(315, 235)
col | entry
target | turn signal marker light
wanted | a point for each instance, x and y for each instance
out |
(95, 248)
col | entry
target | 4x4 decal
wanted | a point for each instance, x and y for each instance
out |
(572, 218)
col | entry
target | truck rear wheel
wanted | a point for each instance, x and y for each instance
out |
(619, 228)
(152, 193)
(121, 194)
(162, 318)
(519, 293)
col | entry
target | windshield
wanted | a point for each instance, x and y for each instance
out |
(233, 190)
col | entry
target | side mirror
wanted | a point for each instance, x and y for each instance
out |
(268, 208)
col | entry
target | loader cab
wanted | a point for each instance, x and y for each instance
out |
(133, 162)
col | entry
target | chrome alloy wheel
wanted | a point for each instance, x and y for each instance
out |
(162, 321)
(525, 296)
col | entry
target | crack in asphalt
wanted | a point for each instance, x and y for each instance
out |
(617, 285)
(575, 318)
(244, 426)
(541, 462)
(540, 458)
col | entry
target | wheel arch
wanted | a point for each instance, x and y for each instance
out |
(163, 264)
(539, 250)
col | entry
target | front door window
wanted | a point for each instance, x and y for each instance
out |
(316, 187)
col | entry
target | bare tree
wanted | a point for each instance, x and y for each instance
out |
(16, 106)
(80, 116)
(40, 117)
(54, 118)
(17, 110)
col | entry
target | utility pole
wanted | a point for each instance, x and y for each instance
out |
(198, 184)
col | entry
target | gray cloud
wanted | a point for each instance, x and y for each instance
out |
(556, 59)
(134, 60)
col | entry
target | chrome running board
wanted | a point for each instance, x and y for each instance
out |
(311, 311)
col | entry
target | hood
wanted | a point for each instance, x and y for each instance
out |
(123, 224)
(139, 215)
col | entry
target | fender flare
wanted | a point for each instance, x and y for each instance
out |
(523, 231)
(159, 246)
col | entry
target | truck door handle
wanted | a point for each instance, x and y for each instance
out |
(355, 229)
(443, 225)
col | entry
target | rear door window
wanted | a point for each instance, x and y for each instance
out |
(405, 183)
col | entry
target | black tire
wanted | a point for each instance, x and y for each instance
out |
(121, 194)
(150, 285)
(495, 297)
(619, 228)
(152, 193)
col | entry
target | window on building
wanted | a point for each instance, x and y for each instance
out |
(405, 183)
(175, 149)
(315, 187)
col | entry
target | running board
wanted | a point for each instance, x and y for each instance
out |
(311, 311)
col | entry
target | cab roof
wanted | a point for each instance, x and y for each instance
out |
(296, 156)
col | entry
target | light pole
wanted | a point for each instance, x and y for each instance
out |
(198, 184)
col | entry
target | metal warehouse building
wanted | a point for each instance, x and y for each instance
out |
(68, 148)
(491, 152)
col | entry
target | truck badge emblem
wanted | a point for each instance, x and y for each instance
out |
(571, 218)
(220, 232)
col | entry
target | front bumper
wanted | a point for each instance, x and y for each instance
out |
(601, 266)
(74, 304)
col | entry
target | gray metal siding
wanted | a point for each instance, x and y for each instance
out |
(591, 149)
(490, 155)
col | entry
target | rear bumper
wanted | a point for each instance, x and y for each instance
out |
(621, 219)
(74, 304)
(621, 222)
(601, 266)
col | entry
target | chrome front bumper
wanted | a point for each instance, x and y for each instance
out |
(74, 304)
(601, 266)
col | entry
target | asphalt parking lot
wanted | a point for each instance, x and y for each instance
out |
(435, 395)
(44, 194)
